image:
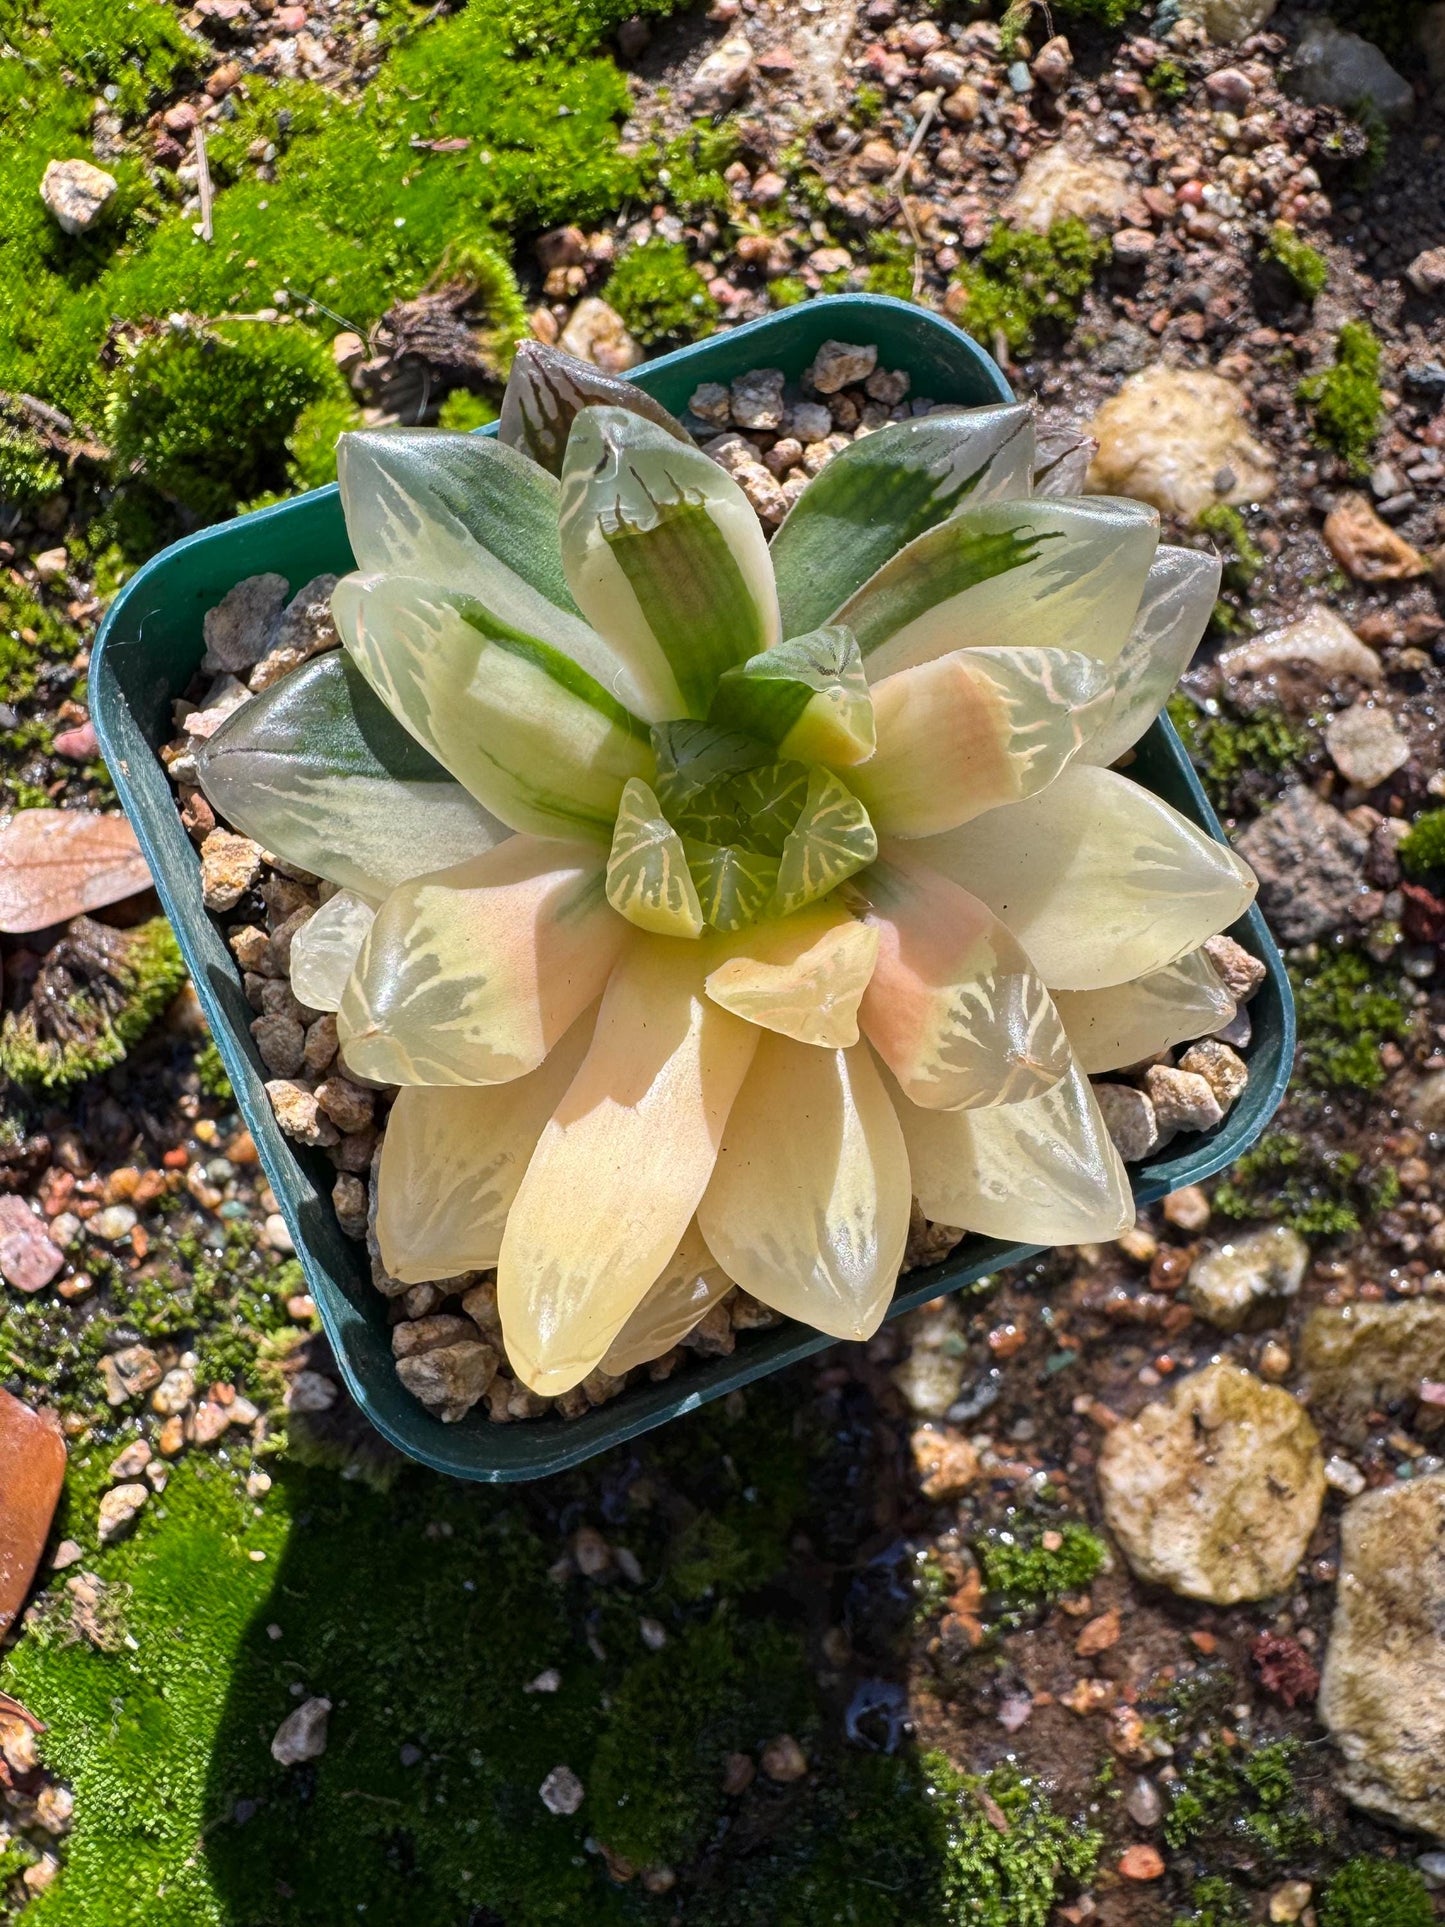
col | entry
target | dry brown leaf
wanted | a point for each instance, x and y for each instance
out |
(57, 864)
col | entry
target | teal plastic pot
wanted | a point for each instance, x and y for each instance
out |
(147, 651)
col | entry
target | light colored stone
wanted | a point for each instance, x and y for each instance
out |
(1214, 1490)
(1332, 68)
(1370, 1355)
(1366, 744)
(298, 1113)
(1177, 439)
(76, 193)
(230, 866)
(239, 630)
(809, 422)
(114, 1224)
(311, 1391)
(128, 1373)
(1382, 1690)
(1230, 1283)
(1292, 667)
(1242, 971)
(1223, 1070)
(783, 1760)
(722, 78)
(29, 1257)
(449, 1379)
(1182, 1100)
(302, 1734)
(1129, 1119)
(597, 333)
(1226, 21)
(1309, 859)
(1367, 548)
(1426, 273)
(1057, 183)
(757, 399)
(838, 365)
(175, 1392)
(929, 1380)
(561, 1792)
(1187, 1208)
(944, 1460)
(1289, 1900)
(711, 402)
(119, 1509)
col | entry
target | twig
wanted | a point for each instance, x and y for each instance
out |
(925, 121)
(203, 182)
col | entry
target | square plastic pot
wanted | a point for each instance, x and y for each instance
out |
(147, 651)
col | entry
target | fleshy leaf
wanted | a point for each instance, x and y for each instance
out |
(1178, 600)
(734, 886)
(648, 880)
(693, 756)
(831, 840)
(621, 1166)
(1040, 1173)
(452, 1159)
(1100, 880)
(325, 949)
(808, 696)
(1061, 461)
(665, 556)
(808, 1207)
(802, 976)
(974, 730)
(529, 733)
(545, 391)
(472, 975)
(954, 1007)
(1030, 574)
(691, 1284)
(317, 770)
(1128, 1023)
(880, 493)
(433, 503)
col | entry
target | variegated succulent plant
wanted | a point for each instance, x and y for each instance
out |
(709, 901)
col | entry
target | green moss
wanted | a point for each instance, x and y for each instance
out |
(1215, 1902)
(1344, 400)
(465, 411)
(1231, 531)
(537, 26)
(890, 269)
(1019, 1564)
(28, 472)
(1168, 80)
(211, 1073)
(787, 291)
(1372, 1892)
(107, 1014)
(867, 104)
(1422, 850)
(1301, 1182)
(690, 167)
(1305, 266)
(204, 414)
(1226, 748)
(1004, 1877)
(1107, 13)
(1251, 1797)
(1024, 284)
(1345, 1014)
(660, 295)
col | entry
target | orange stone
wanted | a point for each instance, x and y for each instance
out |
(1141, 1863)
(32, 1471)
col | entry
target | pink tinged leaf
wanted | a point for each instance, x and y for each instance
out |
(59, 864)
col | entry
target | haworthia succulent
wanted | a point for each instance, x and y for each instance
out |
(648, 878)
(1174, 611)
(545, 392)
(808, 696)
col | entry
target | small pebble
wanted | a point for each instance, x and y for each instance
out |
(561, 1792)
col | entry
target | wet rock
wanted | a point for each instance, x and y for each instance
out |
(1182, 1101)
(945, 1462)
(1293, 667)
(1371, 1355)
(1057, 183)
(309, 1391)
(1129, 1119)
(1230, 1283)
(230, 866)
(1223, 1070)
(1226, 21)
(1214, 1490)
(128, 1373)
(238, 630)
(783, 1760)
(302, 1734)
(29, 1258)
(32, 1471)
(837, 364)
(1332, 68)
(1367, 548)
(930, 1380)
(1143, 1802)
(1382, 1692)
(561, 1792)
(597, 333)
(175, 1392)
(722, 79)
(449, 1379)
(1309, 859)
(1366, 744)
(76, 193)
(1141, 1862)
(1177, 438)
(119, 1510)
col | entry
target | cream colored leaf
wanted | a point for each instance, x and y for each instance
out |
(453, 1157)
(954, 1007)
(802, 976)
(1178, 600)
(1127, 1023)
(621, 1166)
(648, 880)
(471, 976)
(1099, 880)
(974, 730)
(325, 949)
(690, 1285)
(831, 840)
(1040, 1173)
(808, 1207)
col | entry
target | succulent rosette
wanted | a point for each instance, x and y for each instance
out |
(709, 901)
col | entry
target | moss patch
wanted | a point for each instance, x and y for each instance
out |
(1023, 1566)
(102, 1018)
(1252, 1798)
(1422, 851)
(1023, 284)
(1371, 1892)
(660, 295)
(1306, 267)
(1346, 1012)
(1320, 1192)
(1227, 750)
(1344, 400)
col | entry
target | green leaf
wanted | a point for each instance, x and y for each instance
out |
(882, 492)
(528, 732)
(693, 757)
(545, 391)
(648, 879)
(666, 557)
(770, 800)
(734, 887)
(1038, 574)
(831, 840)
(809, 696)
(419, 495)
(317, 770)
